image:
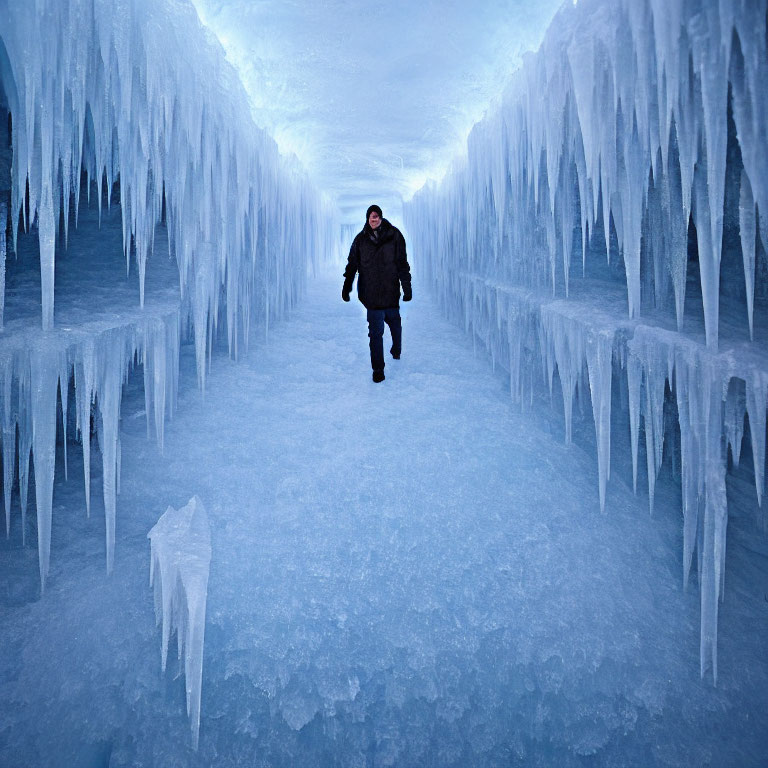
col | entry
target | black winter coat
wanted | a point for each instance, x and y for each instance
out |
(382, 263)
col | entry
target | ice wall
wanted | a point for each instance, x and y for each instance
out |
(180, 555)
(614, 139)
(141, 94)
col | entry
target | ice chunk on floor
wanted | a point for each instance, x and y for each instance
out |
(180, 561)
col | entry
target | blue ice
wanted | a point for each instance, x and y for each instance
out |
(455, 567)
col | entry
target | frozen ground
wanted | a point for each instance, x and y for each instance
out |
(411, 573)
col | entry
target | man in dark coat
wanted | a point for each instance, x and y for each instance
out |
(378, 257)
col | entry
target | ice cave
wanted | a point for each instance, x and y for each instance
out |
(535, 535)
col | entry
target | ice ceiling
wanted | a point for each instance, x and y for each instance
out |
(374, 99)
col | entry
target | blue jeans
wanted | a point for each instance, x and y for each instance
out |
(376, 320)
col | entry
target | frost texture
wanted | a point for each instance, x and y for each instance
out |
(147, 99)
(612, 138)
(180, 560)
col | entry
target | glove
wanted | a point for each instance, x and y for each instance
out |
(407, 294)
(345, 294)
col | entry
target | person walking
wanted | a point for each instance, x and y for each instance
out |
(379, 259)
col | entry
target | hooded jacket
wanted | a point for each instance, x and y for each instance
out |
(379, 259)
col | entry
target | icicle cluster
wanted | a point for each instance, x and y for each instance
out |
(180, 555)
(139, 93)
(34, 378)
(147, 96)
(613, 137)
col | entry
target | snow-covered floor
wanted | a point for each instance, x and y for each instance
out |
(411, 573)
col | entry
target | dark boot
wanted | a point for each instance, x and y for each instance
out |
(378, 376)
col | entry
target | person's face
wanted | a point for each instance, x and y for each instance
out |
(374, 220)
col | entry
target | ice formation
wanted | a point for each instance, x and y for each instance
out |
(98, 361)
(609, 145)
(147, 99)
(180, 560)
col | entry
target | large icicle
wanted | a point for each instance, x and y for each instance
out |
(599, 364)
(45, 379)
(84, 383)
(111, 357)
(757, 399)
(748, 230)
(714, 524)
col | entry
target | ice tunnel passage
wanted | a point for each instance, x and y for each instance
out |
(409, 574)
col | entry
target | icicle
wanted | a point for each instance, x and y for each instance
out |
(64, 390)
(567, 341)
(735, 407)
(710, 59)
(600, 366)
(84, 388)
(715, 523)
(47, 238)
(747, 225)
(676, 221)
(203, 273)
(44, 370)
(109, 395)
(25, 449)
(654, 421)
(757, 398)
(634, 186)
(689, 453)
(566, 224)
(709, 257)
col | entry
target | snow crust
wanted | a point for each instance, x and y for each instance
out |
(180, 545)
(612, 137)
(146, 100)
